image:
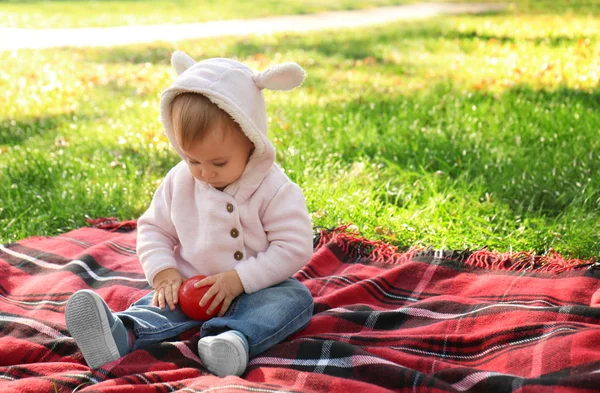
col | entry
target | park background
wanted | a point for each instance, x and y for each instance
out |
(451, 132)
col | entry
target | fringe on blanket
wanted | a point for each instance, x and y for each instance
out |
(112, 224)
(350, 241)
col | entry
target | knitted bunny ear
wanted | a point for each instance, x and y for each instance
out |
(181, 61)
(285, 76)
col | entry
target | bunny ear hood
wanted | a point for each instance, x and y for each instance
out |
(233, 87)
(286, 76)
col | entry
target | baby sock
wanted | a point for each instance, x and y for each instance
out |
(224, 354)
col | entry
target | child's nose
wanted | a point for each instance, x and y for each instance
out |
(207, 174)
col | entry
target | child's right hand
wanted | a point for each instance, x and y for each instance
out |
(166, 287)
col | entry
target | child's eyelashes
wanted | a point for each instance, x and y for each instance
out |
(217, 164)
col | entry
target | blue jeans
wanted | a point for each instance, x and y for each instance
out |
(265, 317)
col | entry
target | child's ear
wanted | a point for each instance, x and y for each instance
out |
(286, 76)
(181, 61)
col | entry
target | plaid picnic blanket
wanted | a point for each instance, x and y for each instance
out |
(384, 321)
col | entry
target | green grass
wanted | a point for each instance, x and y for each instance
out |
(40, 14)
(36, 14)
(455, 132)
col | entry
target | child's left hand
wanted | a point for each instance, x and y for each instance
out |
(226, 286)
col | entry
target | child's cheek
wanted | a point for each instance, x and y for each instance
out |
(195, 172)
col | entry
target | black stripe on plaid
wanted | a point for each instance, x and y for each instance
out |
(65, 264)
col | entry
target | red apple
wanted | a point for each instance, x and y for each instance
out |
(189, 299)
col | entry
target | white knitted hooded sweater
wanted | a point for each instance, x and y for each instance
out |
(258, 225)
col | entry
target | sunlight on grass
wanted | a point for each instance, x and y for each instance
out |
(35, 14)
(455, 132)
(40, 14)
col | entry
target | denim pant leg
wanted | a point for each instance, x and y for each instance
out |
(265, 317)
(152, 324)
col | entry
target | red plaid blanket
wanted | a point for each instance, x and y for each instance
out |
(420, 321)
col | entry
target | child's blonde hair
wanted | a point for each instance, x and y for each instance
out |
(193, 116)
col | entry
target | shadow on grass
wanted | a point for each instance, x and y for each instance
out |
(524, 148)
(15, 132)
(59, 192)
(346, 45)
(157, 53)
(361, 45)
(553, 41)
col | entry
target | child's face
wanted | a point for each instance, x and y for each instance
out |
(220, 158)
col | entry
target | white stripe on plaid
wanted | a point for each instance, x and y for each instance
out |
(473, 379)
(40, 327)
(77, 241)
(31, 303)
(426, 278)
(487, 351)
(89, 377)
(186, 351)
(48, 265)
(438, 354)
(325, 357)
(240, 387)
(320, 364)
(424, 313)
(122, 248)
(374, 282)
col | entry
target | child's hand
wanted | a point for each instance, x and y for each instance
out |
(226, 286)
(166, 286)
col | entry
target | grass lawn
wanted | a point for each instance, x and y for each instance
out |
(454, 132)
(41, 14)
(37, 14)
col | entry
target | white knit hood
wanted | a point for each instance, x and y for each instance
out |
(236, 89)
